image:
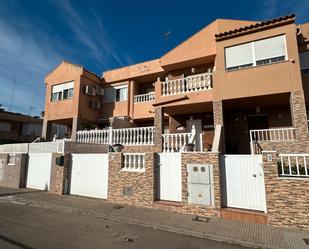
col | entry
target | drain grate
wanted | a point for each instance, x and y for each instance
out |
(306, 241)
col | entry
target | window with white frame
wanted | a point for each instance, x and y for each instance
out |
(62, 91)
(261, 52)
(121, 93)
(304, 62)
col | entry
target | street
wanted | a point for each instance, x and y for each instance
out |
(29, 227)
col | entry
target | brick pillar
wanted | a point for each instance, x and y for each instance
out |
(158, 124)
(75, 127)
(218, 120)
(299, 115)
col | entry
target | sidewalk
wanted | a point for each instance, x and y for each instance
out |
(245, 234)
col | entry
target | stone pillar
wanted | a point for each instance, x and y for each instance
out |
(299, 115)
(219, 120)
(159, 128)
(46, 130)
(75, 127)
(218, 112)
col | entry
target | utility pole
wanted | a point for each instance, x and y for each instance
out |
(13, 93)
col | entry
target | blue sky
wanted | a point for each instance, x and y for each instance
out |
(35, 35)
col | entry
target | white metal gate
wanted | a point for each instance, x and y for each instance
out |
(39, 171)
(244, 182)
(89, 175)
(169, 177)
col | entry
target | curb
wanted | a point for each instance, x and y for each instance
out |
(196, 234)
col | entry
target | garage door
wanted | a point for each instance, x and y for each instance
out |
(89, 175)
(39, 170)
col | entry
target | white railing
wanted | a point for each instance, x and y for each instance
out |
(41, 147)
(193, 83)
(144, 97)
(133, 162)
(176, 142)
(270, 135)
(127, 136)
(293, 165)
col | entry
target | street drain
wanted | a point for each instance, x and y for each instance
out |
(118, 206)
(306, 241)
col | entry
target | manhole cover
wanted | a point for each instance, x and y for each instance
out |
(306, 241)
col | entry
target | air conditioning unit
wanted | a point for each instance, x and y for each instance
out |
(93, 104)
(89, 90)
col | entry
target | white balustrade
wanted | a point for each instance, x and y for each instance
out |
(127, 136)
(270, 135)
(134, 162)
(293, 165)
(144, 97)
(192, 83)
(176, 142)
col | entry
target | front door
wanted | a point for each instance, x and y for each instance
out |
(198, 127)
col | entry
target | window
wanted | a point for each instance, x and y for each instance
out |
(255, 53)
(62, 91)
(122, 94)
(5, 126)
(304, 62)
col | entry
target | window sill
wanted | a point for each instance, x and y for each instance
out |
(245, 68)
(61, 100)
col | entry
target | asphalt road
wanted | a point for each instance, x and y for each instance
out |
(28, 228)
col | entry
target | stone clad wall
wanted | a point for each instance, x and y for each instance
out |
(141, 182)
(287, 198)
(60, 175)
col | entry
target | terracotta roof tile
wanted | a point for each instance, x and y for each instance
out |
(250, 27)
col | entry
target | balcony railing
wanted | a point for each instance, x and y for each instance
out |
(144, 97)
(293, 165)
(192, 83)
(127, 136)
(176, 142)
(270, 135)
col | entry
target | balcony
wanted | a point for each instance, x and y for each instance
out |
(144, 97)
(192, 83)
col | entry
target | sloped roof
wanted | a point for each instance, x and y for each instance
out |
(258, 25)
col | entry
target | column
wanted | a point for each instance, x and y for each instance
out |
(159, 127)
(218, 120)
(46, 130)
(299, 115)
(75, 128)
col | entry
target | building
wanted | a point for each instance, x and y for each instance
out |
(19, 128)
(242, 75)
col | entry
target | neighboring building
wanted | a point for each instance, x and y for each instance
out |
(243, 75)
(19, 128)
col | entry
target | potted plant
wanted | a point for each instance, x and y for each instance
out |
(118, 147)
(190, 147)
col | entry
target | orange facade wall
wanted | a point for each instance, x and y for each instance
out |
(63, 109)
(260, 80)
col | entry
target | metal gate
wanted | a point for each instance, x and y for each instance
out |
(200, 184)
(244, 181)
(39, 171)
(89, 175)
(169, 177)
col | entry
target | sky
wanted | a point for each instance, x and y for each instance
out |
(36, 35)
